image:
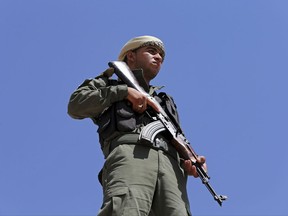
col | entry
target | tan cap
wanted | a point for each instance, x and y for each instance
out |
(141, 41)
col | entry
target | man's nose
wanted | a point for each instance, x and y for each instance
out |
(158, 57)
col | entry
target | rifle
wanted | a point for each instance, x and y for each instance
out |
(162, 123)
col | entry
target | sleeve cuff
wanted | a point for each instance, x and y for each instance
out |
(119, 93)
(122, 91)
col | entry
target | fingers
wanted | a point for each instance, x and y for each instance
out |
(191, 169)
(140, 101)
(140, 107)
(201, 159)
(154, 105)
(137, 99)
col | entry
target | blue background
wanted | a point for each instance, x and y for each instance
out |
(226, 67)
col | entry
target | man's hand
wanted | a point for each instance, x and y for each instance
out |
(140, 101)
(191, 169)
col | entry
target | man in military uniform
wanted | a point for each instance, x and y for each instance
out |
(138, 178)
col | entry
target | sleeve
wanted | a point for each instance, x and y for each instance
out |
(94, 96)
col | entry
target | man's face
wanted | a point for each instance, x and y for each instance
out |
(150, 60)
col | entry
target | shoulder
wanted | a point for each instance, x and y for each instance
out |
(98, 81)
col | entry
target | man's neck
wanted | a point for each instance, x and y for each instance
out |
(138, 73)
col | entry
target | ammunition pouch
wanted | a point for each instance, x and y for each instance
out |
(117, 118)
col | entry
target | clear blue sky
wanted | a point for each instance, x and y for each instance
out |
(226, 67)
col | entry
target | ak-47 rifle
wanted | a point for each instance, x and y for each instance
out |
(162, 123)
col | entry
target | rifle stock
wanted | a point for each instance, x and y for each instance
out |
(180, 143)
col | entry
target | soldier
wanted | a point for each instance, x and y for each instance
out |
(138, 178)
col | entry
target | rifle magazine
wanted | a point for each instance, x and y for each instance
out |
(150, 131)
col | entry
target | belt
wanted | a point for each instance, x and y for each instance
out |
(160, 143)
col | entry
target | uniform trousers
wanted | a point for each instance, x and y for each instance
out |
(142, 181)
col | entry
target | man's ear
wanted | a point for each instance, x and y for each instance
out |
(131, 56)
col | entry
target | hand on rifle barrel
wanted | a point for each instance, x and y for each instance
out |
(191, 169)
